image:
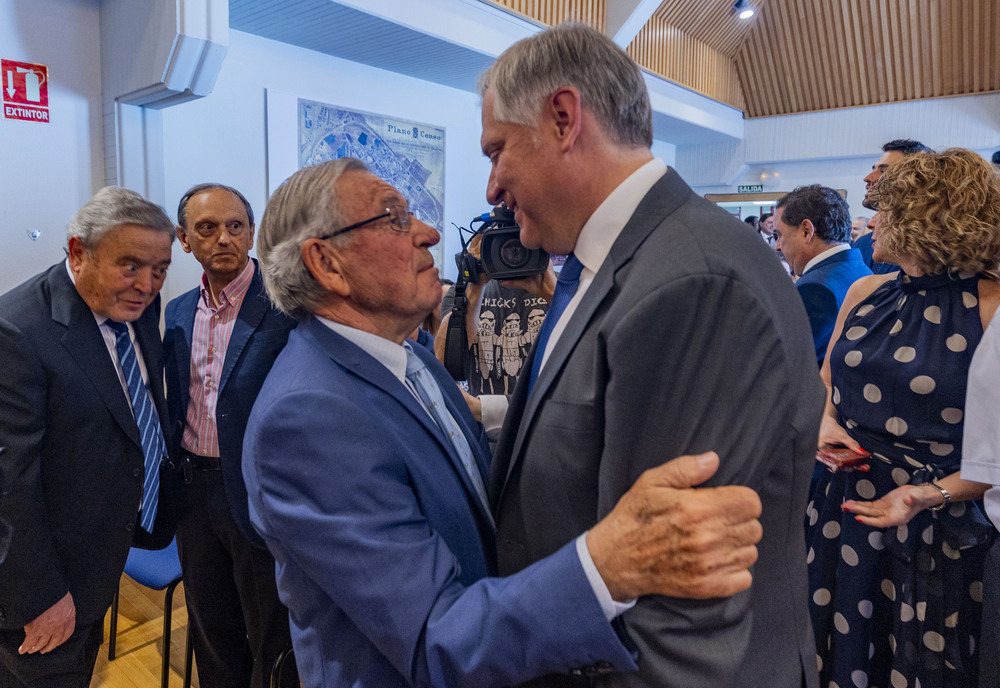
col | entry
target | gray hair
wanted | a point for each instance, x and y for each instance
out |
(114, 206)
(609, 81)
(303, 207)
(199, 188)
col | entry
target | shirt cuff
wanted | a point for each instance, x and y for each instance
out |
(494, 410)
(611, 608)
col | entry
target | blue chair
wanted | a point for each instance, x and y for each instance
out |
(158, 570)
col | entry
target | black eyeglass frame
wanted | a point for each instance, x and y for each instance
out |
(404, 222)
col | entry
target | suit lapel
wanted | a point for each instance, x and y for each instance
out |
(186, 309)
(663, 198)
(481, 458)
(362, 365)
(147, 334)
(252, 311)
(84, 342)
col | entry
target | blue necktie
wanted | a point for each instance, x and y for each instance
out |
(146, 418)
(433, 401)
(566, 284)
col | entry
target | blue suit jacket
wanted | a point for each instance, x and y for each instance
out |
(258, 337)
(383, 551)
(823, 288)
(864, 244)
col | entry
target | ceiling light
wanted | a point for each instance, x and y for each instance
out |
(744, 8)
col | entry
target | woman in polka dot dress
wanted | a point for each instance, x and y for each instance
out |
(896, 552)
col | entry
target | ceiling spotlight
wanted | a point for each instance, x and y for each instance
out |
(744, 8)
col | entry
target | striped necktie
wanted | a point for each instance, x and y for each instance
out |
(147, 420)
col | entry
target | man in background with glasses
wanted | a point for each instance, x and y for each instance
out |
(367, 477)
(220, 341)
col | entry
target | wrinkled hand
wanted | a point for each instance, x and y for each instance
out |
(832, 434)
(665, 538)
(896, 508)
(51, 628)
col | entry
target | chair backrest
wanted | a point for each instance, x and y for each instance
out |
(154, 568)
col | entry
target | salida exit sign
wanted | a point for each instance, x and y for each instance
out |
(25, 90)
(750, 188)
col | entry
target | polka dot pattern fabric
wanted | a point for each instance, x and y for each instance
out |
(900, 607)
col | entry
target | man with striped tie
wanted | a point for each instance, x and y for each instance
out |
(81, 387)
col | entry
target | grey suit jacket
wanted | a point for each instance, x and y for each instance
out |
(689, 339)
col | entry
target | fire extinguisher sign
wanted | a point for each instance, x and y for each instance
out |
(25, 91)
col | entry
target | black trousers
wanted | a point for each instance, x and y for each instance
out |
(70, 665)
(238, 624)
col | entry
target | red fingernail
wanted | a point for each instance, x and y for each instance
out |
(864, 467)
(858, 519)
(844, 507)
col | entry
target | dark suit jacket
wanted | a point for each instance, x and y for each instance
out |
(865, 246)
(258, 337)
(823, 288)
(72, 459)
(689, 339)
(382, 548)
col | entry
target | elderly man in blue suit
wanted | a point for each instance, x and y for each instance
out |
(366, 476)
(220, 341)
(813, 226)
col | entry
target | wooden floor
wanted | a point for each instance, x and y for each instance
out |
(140, 640)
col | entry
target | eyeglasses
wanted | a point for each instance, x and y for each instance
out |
(399, 221)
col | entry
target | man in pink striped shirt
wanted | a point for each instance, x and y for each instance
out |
(220, 341)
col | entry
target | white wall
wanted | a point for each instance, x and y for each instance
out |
(222, 137)
(838, 148)
(47, 171)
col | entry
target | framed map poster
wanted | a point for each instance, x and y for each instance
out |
(408, 155)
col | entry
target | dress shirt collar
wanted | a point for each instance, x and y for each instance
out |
(824, 255)
(388, 353)
(603, 227)
(232, 293)
(599, 234)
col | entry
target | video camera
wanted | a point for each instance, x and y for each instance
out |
(503, 256)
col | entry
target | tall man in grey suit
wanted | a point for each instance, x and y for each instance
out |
(366, 475)
(679, 333)
(220, 341)
(82, 372)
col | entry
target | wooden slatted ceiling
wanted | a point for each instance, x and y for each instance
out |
(552, 12)
(675, 54)
(670, 44)
(806, 55)
(712, 22)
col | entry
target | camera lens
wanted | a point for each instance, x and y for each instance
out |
(513, 253)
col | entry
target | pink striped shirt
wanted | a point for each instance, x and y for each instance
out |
(209, 341)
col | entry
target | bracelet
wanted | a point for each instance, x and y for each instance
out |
(944, 493)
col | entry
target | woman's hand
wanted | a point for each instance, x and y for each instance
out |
(896, 508)
(831, 434)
